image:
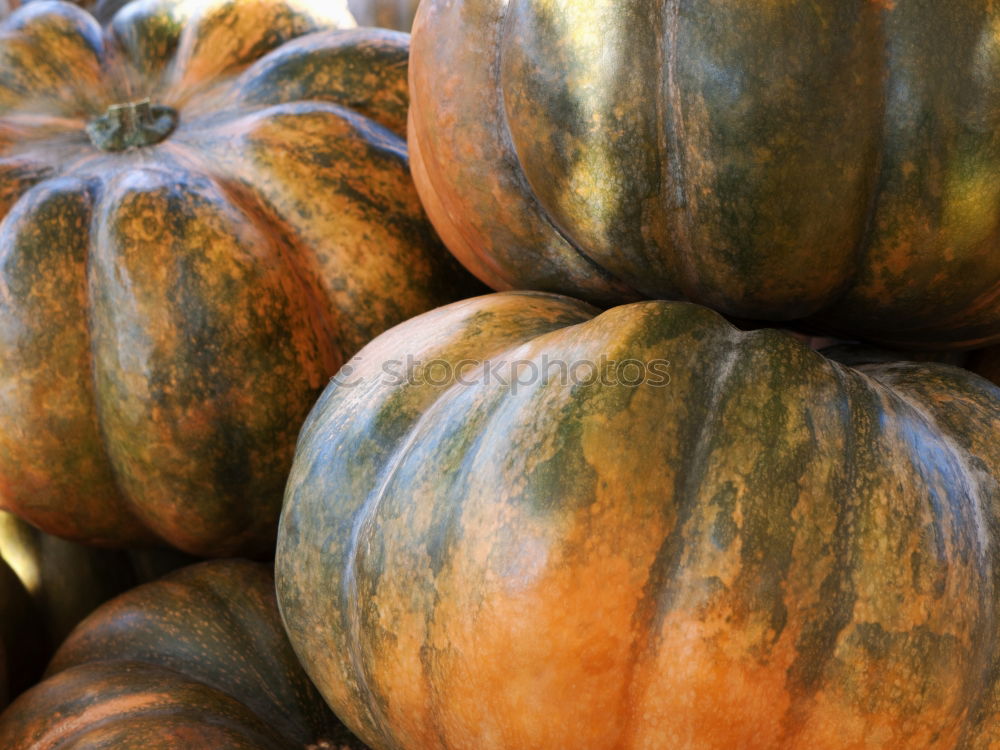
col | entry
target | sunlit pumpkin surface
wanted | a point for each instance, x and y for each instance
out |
(832, 161)
(771, 551)
(207, 208)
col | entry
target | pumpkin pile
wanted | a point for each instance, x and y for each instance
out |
(716, 464)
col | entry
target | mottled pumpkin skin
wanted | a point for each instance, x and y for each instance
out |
(768, 551)
(389, 14)
(196, 660)
(826, 161)
(169, 313)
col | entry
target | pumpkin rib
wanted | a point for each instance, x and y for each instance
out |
(446, 209)
(819, 647)
(144, 38)
(669, 556)
(137, 265)
(47, 48)
(50, 226)
(108, 675)
(507, 141)
(236, 624)
(668, 109)
(946, 439)
(363, 521)
(343, 159)
(220, 38)
(291, 253)
(379, 58)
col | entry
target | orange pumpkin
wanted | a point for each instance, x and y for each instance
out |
(195, 661)
(822, 161)
(643, 529)
(206, 209)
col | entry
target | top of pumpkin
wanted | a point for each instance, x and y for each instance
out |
(131, 125)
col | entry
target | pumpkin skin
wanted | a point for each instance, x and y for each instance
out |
(389, 14)
(983, 362)
(771, 550)
(47, 585)
(823, 162)
(198, 657)
(169, 312)
(102, 10)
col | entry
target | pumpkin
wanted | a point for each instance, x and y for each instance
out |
(47, 585)
(103, 10)
(197, 659)
(822, 162)
(522, 523)
(206, 210)
(984, 362)
(390, 14)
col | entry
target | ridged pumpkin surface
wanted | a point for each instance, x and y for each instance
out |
(169, 312)
(195, 660)
(768, 551)
(831, 161)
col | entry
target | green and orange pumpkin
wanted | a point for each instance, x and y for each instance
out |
(524, 524)
(830, 162)
(206, 209)
(197, 659)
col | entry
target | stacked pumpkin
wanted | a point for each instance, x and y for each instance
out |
(206, 209)
(521, 520)
(738, 542)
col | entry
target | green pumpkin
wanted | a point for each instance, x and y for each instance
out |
(825, 161)
(725, 541)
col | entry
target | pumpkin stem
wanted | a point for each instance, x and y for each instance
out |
(131, 125)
